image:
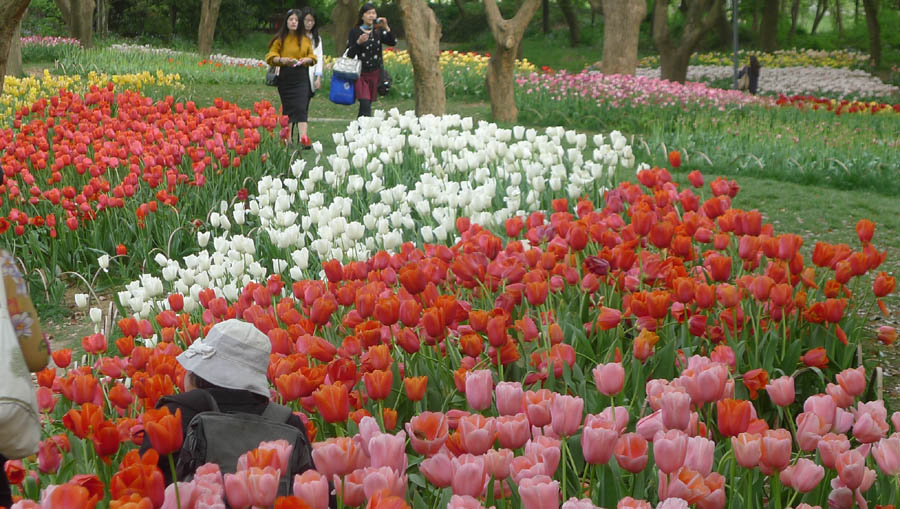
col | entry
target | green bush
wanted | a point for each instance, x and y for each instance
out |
(43, 18)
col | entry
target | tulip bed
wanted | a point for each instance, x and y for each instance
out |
(782, 58)
(471, 316)
(41, 49)
(87, 172)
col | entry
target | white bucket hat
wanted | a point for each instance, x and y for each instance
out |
(233, 355)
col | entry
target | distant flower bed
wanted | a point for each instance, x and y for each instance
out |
(782, 58)
(796, 80)
(218, 57)
(468, 59)
(49, 41)
(44, 49)
(838, 107)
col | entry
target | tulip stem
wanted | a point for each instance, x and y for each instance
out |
(775, 485)
(565, 467)
(174, 480)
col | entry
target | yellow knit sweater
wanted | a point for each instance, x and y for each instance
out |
(293, 47)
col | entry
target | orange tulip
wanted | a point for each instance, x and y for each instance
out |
(816, 357)
(81, 422)
(719, 267)
(833, 310)
(756, 380)
(133, 501)
(887, 334)
(62, 357)
(644, 344)
(675, 159)
(734, 416)
(608, 318)
(389, 417)
(415, 387)
(865, 229)
(164, 430)
(291, 502)
(387, 310)
(471, 344)
(661, 234)
(71, 496)
(883, 284)
(139, 476)
(378, 383)
(333, 402)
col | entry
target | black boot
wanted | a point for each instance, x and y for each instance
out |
(365, 108)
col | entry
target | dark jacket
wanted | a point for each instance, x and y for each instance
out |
(229, 400)
(369, 52)
(754, 78)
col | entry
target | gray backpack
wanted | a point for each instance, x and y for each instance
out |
(218, 437)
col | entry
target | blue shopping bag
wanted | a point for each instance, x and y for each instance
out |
(342, 91)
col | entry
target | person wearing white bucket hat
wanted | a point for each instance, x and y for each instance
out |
(230, 365)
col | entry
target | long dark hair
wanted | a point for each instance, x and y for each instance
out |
(283, 29)
(754, 65)
(362, 10)
(314, 33)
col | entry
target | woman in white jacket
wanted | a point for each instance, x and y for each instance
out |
(311, 24)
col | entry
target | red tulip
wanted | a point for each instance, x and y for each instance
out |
(62, 357)
(164, 430)
(883, 285)
(378, 384)
(865, 229)
(333, 402)
(734, 416)
(675, 159)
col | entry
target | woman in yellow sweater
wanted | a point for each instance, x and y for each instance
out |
(291, 49)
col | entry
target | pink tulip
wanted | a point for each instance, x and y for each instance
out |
(510, 398)
(468, 475)
(840, 498)
(479, 389)
(887, 454)
(464, 502)
(673, 503)
(781, 391)
(350, 487)
(843, 421)
(851, 467)
(803, 476)
(437, 469)
(648, 425)
(312, 488)
(497, 462)
(617, 415)
(853, 380)
(539, 492)
(699, 455)
(574, 503)
(45, 399)
(337, 456)
(522, 467)
(669, 450)
(676, 410)
(545, 449)
(631, 452)
(830, 447)
(631, 503)
(895, 420)
(386, 450)
(282, 454)
(512, 430)
(810, 429)
(368, 428)
(537, 406)
(384, 478)
(565, 414)
(776, 449)
(822, 405)
(254, 486)
(187, 491)
(609, 378)
(48, 457)
(598, 440)
(747, 449)
(871, 422)
(422, 442)
(26, 504)
(655, 389)
(478, 433)
(839, 395)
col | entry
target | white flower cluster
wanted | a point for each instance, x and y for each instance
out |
(218, 57)
(796, 80)
(393, 178)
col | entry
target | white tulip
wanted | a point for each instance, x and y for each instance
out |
(81, 300)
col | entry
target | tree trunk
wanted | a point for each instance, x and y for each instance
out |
(508, 35)
(768, 33)
(14, 62)
(795, 15)
(871, 7)
(724, 30)
(344, 16)
(209, 15)
(821, 7)
(571, 20)
(462, 8)
(11, 14)
(621, 30)
(79, 16)
(423, 36)
(838, 18)
(674, 56)
(545, 16)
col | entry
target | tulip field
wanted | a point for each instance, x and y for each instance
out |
(463, 314)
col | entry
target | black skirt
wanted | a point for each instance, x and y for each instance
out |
(294, 90)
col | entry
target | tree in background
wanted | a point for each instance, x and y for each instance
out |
(768, 30)
(344, 15)
(871, 8)
(621, 30)
(572, 20)
(508, 36)
(674, 55)
(11, 14)
(423, 35)
(209, 14)
(79, 16)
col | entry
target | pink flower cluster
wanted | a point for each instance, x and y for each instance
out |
(50, 41)
(620, 91)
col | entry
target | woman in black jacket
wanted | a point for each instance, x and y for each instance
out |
(752, 72)
(365, 42)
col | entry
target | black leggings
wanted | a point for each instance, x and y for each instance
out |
(5, 490)
(365, 108)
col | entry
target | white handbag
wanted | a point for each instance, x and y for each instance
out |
(346, 68)
(20, 424)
